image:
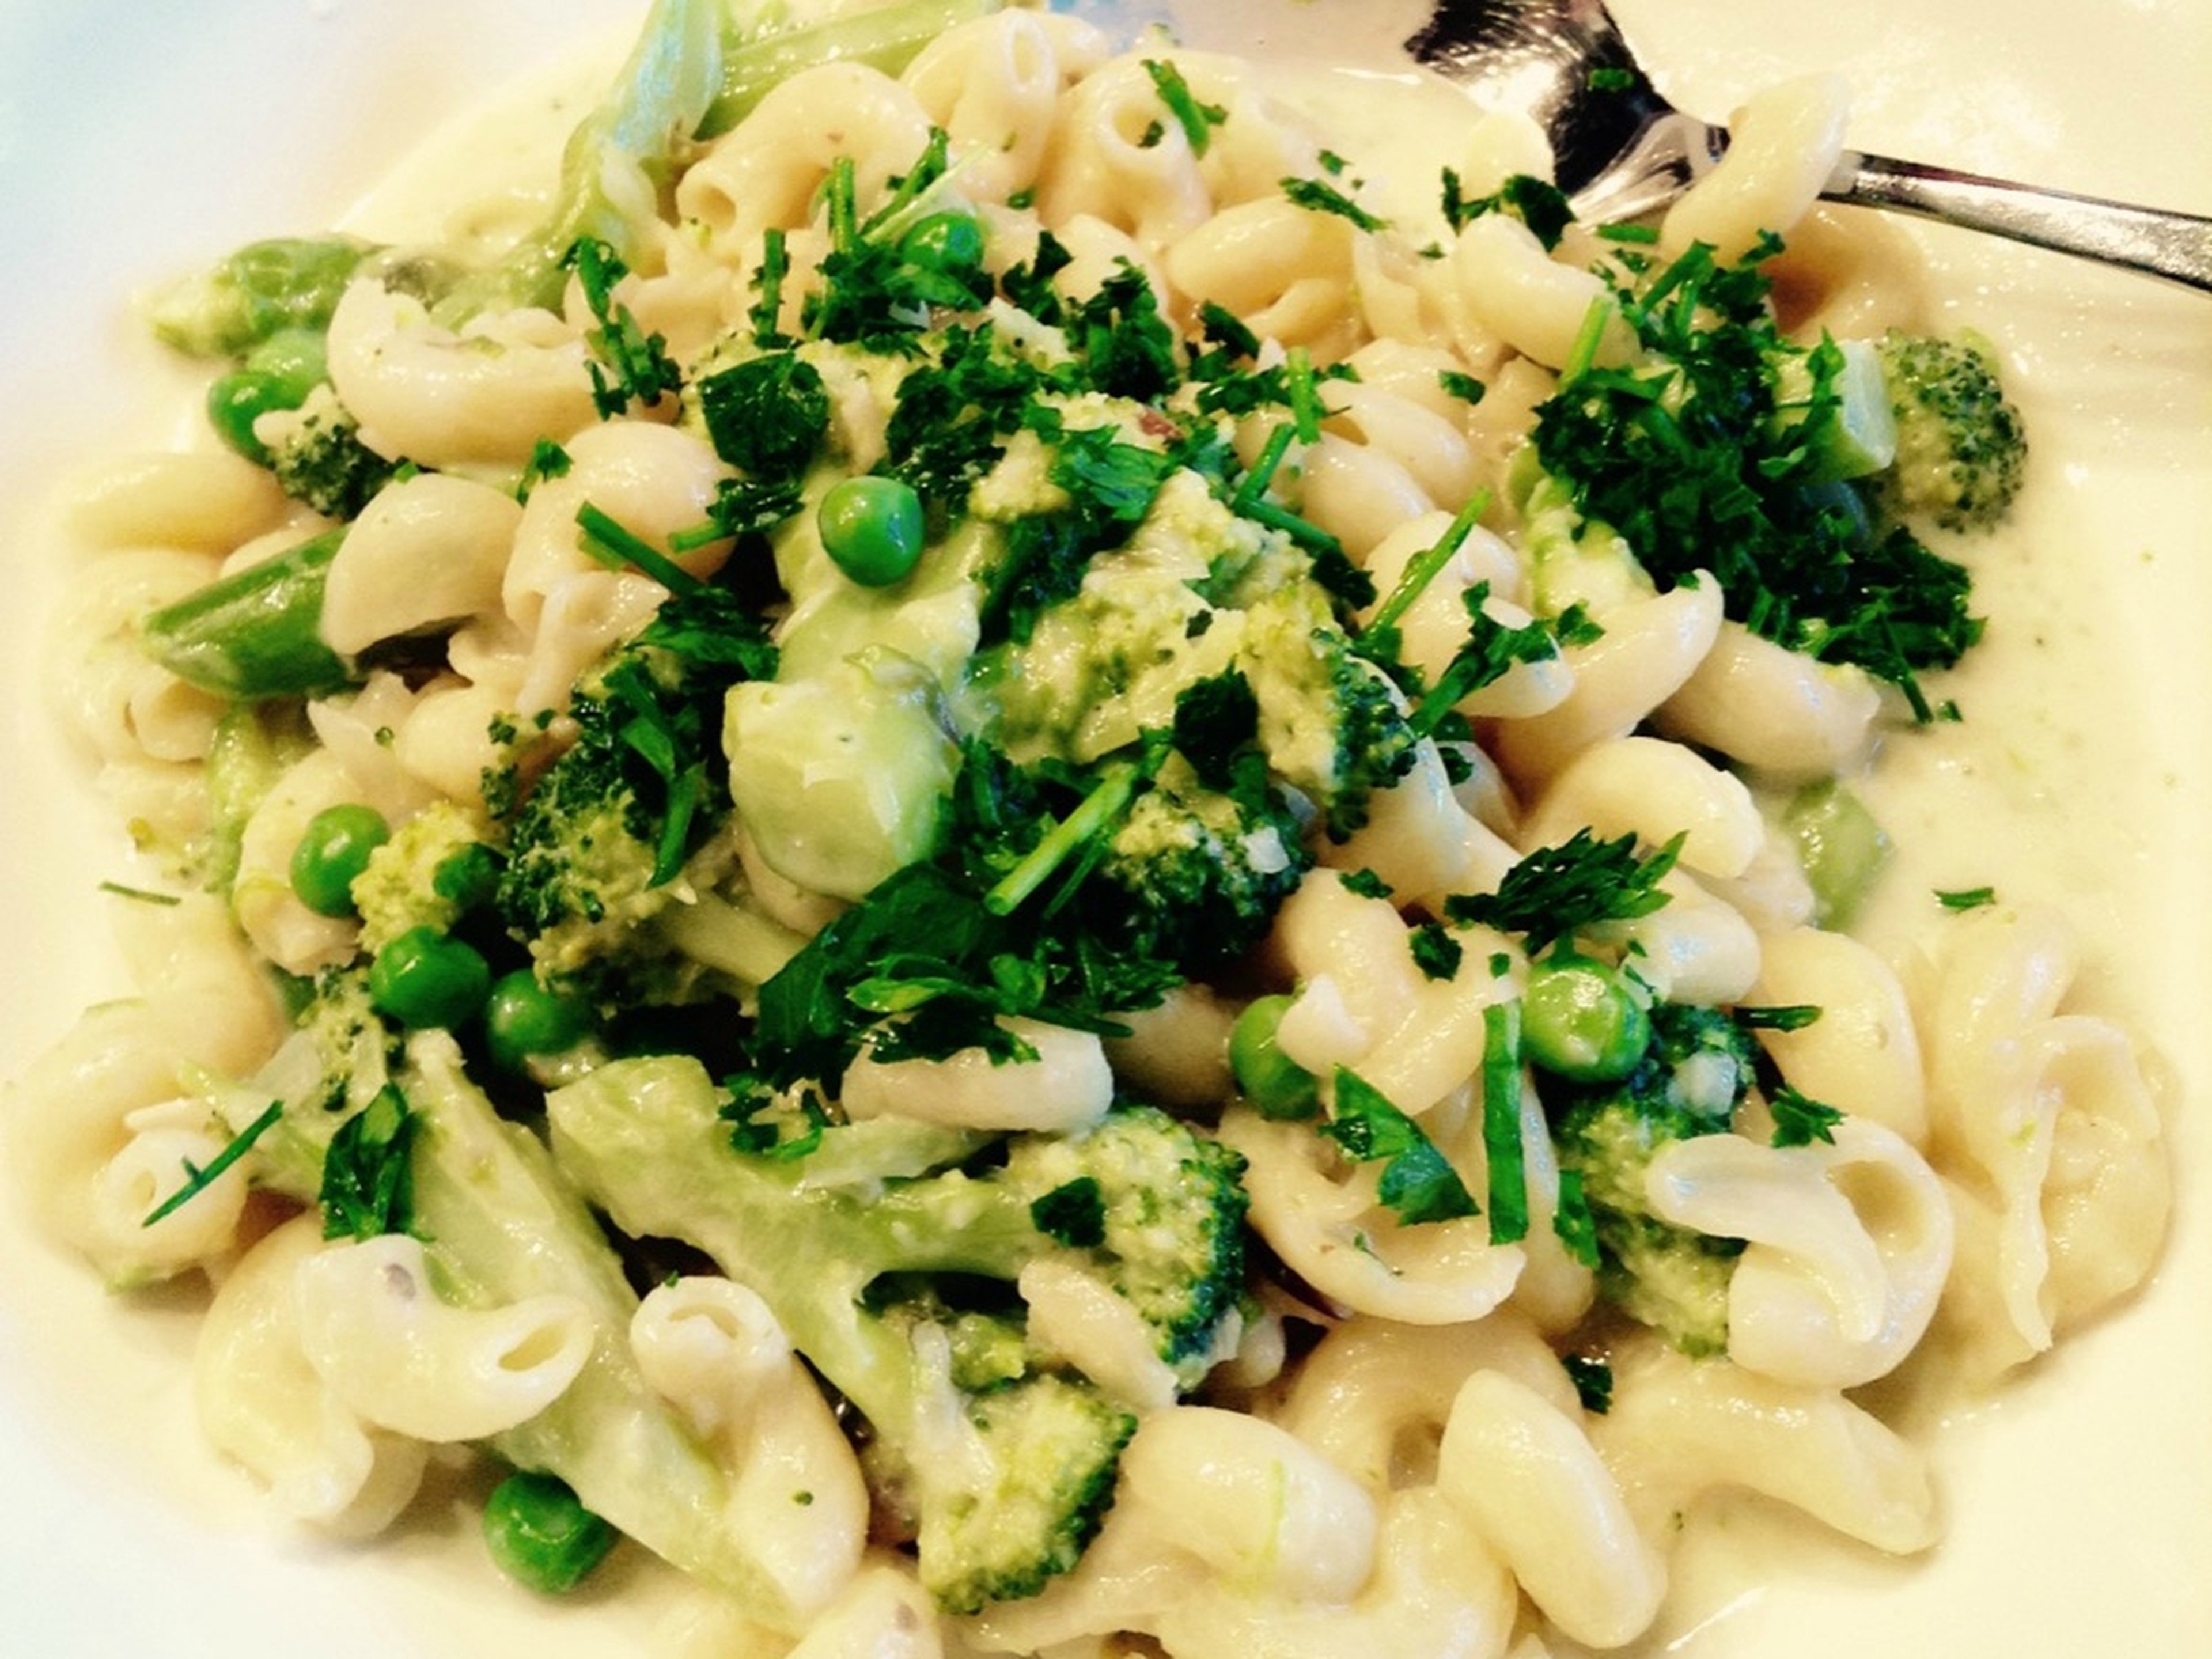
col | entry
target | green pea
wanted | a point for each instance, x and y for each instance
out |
(235, 401)
(540, 1535)
(1277, 1085)
(949, 242)
(277, 374)
(873, 527)
(330, 854)
(423, 979)
(524, 1018)
(1580, 1019)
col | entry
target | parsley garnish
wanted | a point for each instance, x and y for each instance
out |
(629, 365)
(1417, 1181)
(1799, 1119)
(1365, 883)
(1965, 898)
(1593, 1381)
(767, 415)
(1536, 203)
(369, 1173)
(1778, 1017)
(1197, 120)
(1318, 196)
(547, 460)
(1558, 891)
(1435, 952)
(1683, 455)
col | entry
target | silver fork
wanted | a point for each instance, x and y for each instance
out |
(1622, 150)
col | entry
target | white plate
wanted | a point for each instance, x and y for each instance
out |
(137, 139)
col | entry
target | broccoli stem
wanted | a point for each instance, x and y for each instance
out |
(658, 99)
(500, 1225)
(1096, 813)
(646, 1141)
(255, 634)
(699, 66)
(886, 39)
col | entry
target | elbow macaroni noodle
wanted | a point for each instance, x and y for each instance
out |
(1422, 1478)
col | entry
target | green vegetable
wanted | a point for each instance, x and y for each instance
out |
(1841, 847)
(434, 870)
(1688, 1081)
(886, 37)
(425, 978)
(1508, 1184)
(1417, 1181)
(873, 527)
(524, 1019)
(254, 293)
(1556, 892)
(368, 1185)
(333, 853)
(1000, 1457)
(1582, 1020)
(627, 143)
(279, 373)
(253, 634)
(317, 457)
(1961, 444)
(595, 847)
(1275, 1085)
(1721, 450)
(540, 1534)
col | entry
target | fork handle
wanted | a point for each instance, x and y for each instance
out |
(2175, 245)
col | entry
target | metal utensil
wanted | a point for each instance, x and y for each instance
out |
(1622, 150)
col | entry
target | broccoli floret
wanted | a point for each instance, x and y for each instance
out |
(1332, 725)
(1004, 1478)
(628, 820)
(1194, 875)
(437, 866)
(578, 885)
(318, 458)
(900, 1289)
(1689, 1081)
(1961, 447)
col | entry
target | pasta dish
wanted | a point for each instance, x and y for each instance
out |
(1028, 860)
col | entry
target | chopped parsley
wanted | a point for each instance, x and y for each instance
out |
(1418, 1181)
(1196, 119)
(1799, 1119)
(1965, 898)
(629, 365)
(1319, 196)
(1436, 952)
(1683, 455)
(369, 1173)
(1555, 892)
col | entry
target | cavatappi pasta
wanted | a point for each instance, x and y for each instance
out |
(1413, 1433)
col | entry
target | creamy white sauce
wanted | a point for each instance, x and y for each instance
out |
(2069, 779)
